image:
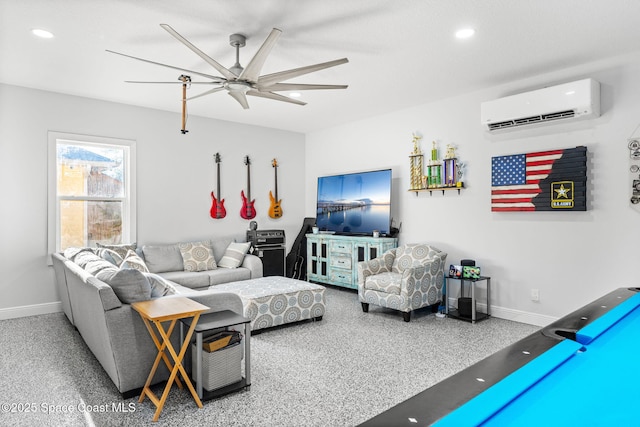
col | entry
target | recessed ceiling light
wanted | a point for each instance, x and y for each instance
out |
(42, 33)
(295, 94)
(465, 33)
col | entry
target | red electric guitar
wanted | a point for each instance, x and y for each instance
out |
(217, 206)
(247, 211)
(275, 210)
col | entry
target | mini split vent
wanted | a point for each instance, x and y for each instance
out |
(565, 102)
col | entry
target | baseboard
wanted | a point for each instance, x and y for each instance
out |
(30, 310)
(514, 315)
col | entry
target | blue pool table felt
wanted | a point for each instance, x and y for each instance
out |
(592, 381)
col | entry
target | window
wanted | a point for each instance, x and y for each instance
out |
(91, 191)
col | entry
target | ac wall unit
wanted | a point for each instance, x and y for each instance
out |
(561, 103)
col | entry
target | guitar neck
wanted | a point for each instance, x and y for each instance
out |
(276, 176)
(218, 185)
(249, 181)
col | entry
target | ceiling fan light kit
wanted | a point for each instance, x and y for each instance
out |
(241, 81)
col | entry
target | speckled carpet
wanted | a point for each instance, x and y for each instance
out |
(340, 371)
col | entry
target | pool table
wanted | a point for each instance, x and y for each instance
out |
(580, 370)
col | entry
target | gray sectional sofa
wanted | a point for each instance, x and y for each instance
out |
(96, 295)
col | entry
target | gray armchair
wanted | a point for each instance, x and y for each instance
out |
(406, 278)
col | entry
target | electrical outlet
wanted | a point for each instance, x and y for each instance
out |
(535, 295)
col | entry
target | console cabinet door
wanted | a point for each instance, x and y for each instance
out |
(334, 259)
(317, 262)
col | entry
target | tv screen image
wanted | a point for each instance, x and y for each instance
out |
(355, 203)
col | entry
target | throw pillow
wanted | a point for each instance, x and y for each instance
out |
(119, 249)
(197, 256)
(71, 253)
(133, 260)
(95, 266)
(234, 255)
(85, 258)
(160, 286)
(130, 285)
(110, 255)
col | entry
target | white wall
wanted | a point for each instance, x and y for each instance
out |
(175, 173)
(571, 257)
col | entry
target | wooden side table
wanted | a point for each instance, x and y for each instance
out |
(155, 312)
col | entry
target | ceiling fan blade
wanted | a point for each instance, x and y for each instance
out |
(295, 86)
(209, 92)
(275, 96)
(240, 97)
(270, 79)
(209, 76)
(176, 82)
(252, 71)
(221, 69)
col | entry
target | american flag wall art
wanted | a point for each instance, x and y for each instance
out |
(552, 180)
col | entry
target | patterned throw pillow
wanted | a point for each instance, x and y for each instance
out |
(119, 249)
(234, 255)
(133, 260)
(160, 286)
(197, 256)
(110, 255)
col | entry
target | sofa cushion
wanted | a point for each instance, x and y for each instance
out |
(386, 282)
(162, 258)
(234, 255)
(226, 275)
(410, 255)
(189, 279)
(129, 285)
(133, 260)
(197, 256)
(119, 249)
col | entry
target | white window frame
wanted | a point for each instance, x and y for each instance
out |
(129, 198)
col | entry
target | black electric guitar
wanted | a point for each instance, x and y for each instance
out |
(248, 211)
(217, 206)
(275, 210)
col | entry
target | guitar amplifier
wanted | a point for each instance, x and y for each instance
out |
(260, 238)
(269, 246)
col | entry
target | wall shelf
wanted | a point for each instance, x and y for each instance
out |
(431, 190)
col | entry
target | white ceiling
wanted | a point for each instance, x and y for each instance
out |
(401, 52)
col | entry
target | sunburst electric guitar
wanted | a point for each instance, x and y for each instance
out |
(275, 210)
(217, 206)
(247, 211)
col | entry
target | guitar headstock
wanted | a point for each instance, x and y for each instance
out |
(217, 157)
(247, 161)
(274, 163)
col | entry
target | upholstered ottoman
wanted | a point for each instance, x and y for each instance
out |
(274, 300)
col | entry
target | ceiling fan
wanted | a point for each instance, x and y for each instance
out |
(240, 82)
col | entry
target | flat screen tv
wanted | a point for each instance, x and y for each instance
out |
(355, 203)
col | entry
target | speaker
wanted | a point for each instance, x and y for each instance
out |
(464, 307)
(273, 260)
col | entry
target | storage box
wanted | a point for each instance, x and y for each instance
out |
(217, 341)
(219, 368)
